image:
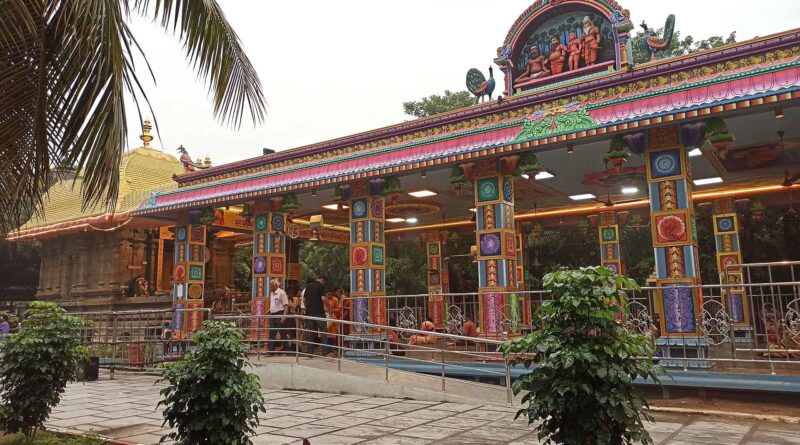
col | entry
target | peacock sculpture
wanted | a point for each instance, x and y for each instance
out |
(478, 85)
(187, 162)
(652, 43)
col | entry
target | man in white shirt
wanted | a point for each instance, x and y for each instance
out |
(278, 305)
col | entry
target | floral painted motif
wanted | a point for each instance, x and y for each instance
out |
(671, 228)
(665, 164)
(260, 265)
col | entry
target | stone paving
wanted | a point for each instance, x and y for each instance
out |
(124, 408)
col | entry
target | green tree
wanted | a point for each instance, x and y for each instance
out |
(326, 259)
(677, 46)
(243, 268)
(406, 268)
(210, 398)
(66, 67)
(36, 364)
(436, 104)
(581, 387)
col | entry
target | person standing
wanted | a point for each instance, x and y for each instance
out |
(314, 295)
(278, 305)
(5, 327)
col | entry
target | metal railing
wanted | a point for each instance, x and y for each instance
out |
(372, 344)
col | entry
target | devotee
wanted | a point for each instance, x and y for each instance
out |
(278, 305)
(333, 311)
(423, 339)
(5, 328)
(313, 296)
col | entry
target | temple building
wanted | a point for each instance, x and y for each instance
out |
(101, 259)
(579, 135)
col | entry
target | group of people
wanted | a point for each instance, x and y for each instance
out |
(322, 308)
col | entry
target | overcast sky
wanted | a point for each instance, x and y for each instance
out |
(334, 68)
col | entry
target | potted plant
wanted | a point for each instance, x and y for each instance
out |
(618, 152)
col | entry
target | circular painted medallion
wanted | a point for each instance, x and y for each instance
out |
(488, 189)
(490, 244)
(725, 224)
(671, 228)
(665, 164)
(277, 222)
(181, 235)
(377, 208)
(195, 291)
(359, 209)
(359, 256)
(260, 265)
(293, 230)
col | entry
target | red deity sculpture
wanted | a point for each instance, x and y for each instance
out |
(591, 41)
(537, 67)
(558, 52)
(575, 50)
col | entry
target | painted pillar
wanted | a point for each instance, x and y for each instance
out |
(437, 278)
(674, 233)
(726, 234)
(188, 277)
(527, 309)
(610, 247)
(269, 261)
(367, 256)
(496, 246)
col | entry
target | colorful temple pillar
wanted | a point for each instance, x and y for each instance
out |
(726, 234)
(437, 276)
(525, 299)
(269, 261)
(496, 244)
(367, 256)
(610, 248)
(678, 300)
(188, 277)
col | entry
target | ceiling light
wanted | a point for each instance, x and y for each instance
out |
(472, 210)
(313, 192)
(695, 152)
(544, 175)
(570, 148)
(335, 206)
(525, 176)
(411, 220)
(422, 193)
(706, 181)
(422, 174)
(395, 220)
(582, 197)
(630, 190)
(779, 113)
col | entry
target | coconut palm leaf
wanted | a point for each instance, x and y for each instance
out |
(65, 67)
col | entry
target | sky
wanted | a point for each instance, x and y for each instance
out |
(333, 68)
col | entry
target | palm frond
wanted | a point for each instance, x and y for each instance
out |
(65, 67)
(215, 52)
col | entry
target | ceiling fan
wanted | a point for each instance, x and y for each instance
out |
(788, 179)
(608, 201)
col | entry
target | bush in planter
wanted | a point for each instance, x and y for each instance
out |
(581, 387)
(210, 398)
(36, 364)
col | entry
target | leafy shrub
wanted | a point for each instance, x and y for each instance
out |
(582, 384)
(53, 439)
(36, 364)
(210, 398)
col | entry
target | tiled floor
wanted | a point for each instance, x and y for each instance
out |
(125, 408)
